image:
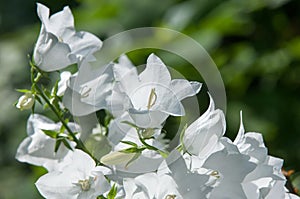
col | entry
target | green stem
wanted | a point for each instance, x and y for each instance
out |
(79, 143)
(148, 146)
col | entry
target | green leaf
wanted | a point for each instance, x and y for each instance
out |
(67, 144)
(108, 118)
(57, 144)
(50, 133)
(45, 106)
(132, 150)
(47, 93)
(23, 90)
(112, 193)
(62, 128)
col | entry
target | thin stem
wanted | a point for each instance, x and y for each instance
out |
(79, 143)
(151, 147)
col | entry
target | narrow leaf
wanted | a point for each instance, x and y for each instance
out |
(50, 133)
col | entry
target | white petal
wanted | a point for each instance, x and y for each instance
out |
(127, 78)
(63, 82)
(58, 22)
(47, 47)
(72, 101)
(240, 136)
(38, 148)
(202, 137)
(155, 72)
(232, 168)
(148, 119)
(97, 91)
(184, 88)
(57, 185)
(83, 44)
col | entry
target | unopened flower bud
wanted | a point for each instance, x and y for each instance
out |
(117, 158)
(25, 102)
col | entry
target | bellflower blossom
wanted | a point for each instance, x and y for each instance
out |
(79, 179)
(152, 96)
(203, 136)
(58, 44)
(172, 180)
(267, 179)
(89, 89)
(38, 148)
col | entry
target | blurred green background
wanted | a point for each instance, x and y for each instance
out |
(255, 44)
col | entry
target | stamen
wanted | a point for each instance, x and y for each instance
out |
(170, 196)
(215, 174)
(152, 98)
(84, 184)
(85, 91)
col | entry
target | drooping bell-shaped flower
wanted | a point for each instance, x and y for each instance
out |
(203, 136)
(89, 89)
(172, 180)
(38, 148)
(58, 44)
(266, 180)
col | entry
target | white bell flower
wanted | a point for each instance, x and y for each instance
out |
(89, 89)
(79, 179)
(172, 180)
(266, 180)
(38, 148)
(152, 96)
(58, 44)
(231, 168)
(202, 137)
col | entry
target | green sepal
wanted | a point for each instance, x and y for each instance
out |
(67, 144)
(50, 133)
(133, 150)
(23, 90)
(112, 193)
(57, 144)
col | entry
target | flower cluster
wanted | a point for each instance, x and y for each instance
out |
(115, 146)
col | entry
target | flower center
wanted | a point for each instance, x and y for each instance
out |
(215, 174)
(173, 196)
(85, 91)
(60, 39)
(152, 98)
(85, 185)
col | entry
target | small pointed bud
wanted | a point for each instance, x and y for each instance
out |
(25, 102)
